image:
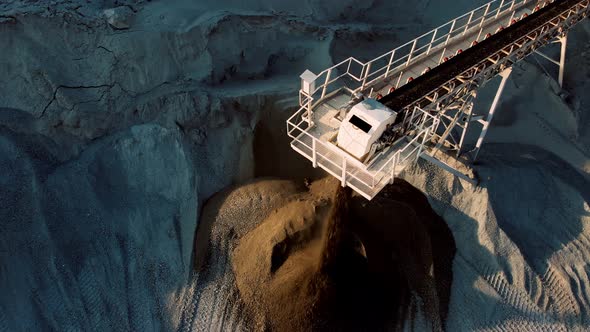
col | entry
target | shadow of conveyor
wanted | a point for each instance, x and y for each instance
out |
(407, 249)
(540, 202)
(546, 217)
(520, 254)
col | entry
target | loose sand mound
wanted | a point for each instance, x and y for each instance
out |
(328, 260)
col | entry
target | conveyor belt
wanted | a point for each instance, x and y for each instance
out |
(424, 84)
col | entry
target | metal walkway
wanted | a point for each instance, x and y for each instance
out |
(431, 81)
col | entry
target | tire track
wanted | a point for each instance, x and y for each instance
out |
(228, 292)
(91, 297)
(231, 311)
(199, 293)
(561, 302)
(3, 321)
(519, 325)
(189, 306)
(513, 296)
(532, 317)
(217, 289)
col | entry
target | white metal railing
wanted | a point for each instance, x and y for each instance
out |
(337, 165)
(367, 74)
(526, 43)
(320, 153)
(425, 127)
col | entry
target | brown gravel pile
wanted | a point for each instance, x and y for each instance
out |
(326, 260)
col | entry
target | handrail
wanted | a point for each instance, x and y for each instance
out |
(541, 30)
(376, 176)
(317, 142)
(411, 142)
(396, 156)
(416, 48)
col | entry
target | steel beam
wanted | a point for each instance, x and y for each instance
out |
(448, 168)
(563, 41)
(466, 128)
(505, 74)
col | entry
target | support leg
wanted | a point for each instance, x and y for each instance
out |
(448, 168)
(561, 63)
(505, 74)
(467, 121)
(448, 130)
(563, 41)
(343, 180)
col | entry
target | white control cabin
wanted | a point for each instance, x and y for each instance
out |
(363, 126)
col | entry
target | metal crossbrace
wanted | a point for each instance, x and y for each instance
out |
(460, 114)
(529, 43)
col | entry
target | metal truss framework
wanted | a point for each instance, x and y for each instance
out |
(436, 123)
(453, 101)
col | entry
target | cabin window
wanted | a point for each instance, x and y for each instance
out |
(360, 123)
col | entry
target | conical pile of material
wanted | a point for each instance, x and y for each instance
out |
(328, 260)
